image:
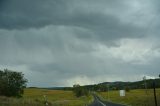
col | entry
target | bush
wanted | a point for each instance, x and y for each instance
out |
(80, 91)
(127, 89)
(12, 83)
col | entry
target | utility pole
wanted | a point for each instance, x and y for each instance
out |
(154, 88)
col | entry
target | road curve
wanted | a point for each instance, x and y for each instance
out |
(98, 102)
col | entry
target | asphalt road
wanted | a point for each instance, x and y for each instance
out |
(98, 102)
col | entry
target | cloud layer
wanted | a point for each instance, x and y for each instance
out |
(59, 42)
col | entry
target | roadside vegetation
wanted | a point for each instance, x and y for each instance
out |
(35, 97)
(139, 97)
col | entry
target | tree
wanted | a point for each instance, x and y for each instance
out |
(12, 83)
(80, 90)
(127, 89)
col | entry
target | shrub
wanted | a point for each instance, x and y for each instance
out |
(80, 91)
(12, 83)
(127, 89)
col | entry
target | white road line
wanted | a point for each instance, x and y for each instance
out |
(100, 102)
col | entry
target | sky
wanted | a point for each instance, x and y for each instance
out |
(66, 42)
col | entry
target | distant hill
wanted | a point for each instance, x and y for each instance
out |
(140, 84)
(123, 85)
(113, 85)
(59, 88)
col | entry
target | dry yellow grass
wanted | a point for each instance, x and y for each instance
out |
(35, 97)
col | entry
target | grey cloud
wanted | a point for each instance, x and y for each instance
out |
(36, 14)
(59, 40)
(61, 63)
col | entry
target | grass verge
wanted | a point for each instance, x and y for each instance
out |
(133, 97)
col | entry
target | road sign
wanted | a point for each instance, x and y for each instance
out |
(122, 92)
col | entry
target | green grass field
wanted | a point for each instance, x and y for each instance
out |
(133, 97)
(35, 97)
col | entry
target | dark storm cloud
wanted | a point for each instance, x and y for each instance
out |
(89, 14)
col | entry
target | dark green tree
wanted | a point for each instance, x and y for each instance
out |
(127, 88)
(12, 83)
(80, 90)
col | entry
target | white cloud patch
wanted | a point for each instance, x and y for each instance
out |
(82, 80)
(134, 51)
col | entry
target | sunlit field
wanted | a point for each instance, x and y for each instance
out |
(35, 97)
(133, 97)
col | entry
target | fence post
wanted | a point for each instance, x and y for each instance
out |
(154, 88)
